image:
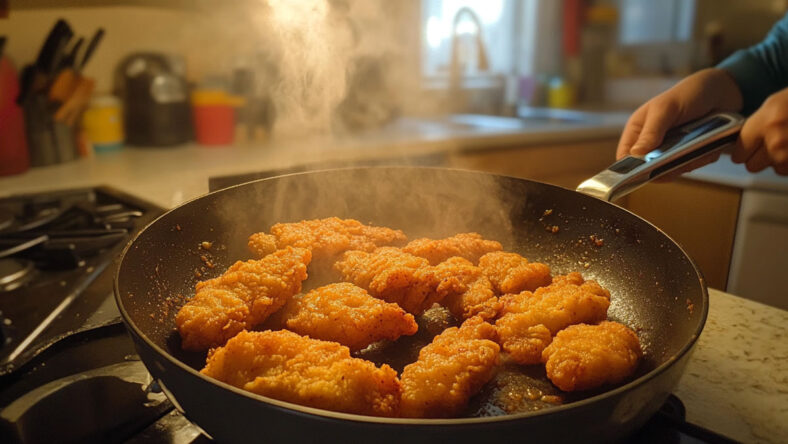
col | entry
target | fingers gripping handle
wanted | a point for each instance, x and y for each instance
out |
(680, 146)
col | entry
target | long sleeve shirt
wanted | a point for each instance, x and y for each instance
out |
(762, 69)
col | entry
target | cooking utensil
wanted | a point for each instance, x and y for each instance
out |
(77, 102)
(36, 77)
(66, 80)
(656, 287)
(91, 48)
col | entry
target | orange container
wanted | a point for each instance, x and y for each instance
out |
(214, 116)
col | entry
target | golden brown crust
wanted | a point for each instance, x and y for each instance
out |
(327, 237)
(583, 357)
(449, 371)
(347, 314)
(244, 296)
(390, 274)
(528, 320)
(512, 273)
(470, 293)
(470, 246)
(293, 368)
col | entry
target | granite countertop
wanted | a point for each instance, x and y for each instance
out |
(736, 382)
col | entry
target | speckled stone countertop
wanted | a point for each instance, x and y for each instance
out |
(736, 382)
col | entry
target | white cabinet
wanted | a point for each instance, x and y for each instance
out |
(759, 263)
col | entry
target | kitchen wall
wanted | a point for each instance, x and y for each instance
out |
(314, 46)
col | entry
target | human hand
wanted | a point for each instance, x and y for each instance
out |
(706, 91)
(763, 140)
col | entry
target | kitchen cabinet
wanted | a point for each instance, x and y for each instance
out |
(701, 217)
(563, 164)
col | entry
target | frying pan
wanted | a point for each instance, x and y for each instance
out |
(656, 289)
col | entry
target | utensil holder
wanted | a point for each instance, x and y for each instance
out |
(50, 141)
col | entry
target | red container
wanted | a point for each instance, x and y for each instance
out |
(214, 124)
(14, 157)
(214, 117)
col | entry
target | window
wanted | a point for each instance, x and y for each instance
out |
(664, 21)
(497, 18)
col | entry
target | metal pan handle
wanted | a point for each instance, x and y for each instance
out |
(680, 146)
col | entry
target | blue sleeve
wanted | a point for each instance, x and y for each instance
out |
(761, 70)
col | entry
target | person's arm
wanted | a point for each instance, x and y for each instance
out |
(760, 70)
(755, 79)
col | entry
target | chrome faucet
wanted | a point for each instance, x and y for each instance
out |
(482, 63)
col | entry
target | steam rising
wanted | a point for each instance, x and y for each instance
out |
(421, 202)
(325, 65)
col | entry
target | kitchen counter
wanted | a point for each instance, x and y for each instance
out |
(171, 176)
(725, 172)
(736, 382)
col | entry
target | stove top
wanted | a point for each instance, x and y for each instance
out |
(53, 246)
(69, 371)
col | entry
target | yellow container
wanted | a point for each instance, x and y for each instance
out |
(560, 94)
(103, 124)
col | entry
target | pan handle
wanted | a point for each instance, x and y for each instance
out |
(680, 146)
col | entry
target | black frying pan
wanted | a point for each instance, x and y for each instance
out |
(656, 289)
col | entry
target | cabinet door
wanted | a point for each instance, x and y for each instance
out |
(759, 269)
(562, 164)
(699, 216)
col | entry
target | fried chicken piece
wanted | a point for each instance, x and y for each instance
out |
(244, 296)
(347, 314)
(449, 371)
(470, 292)
(287, 366)
(529, 319)
(512, 273)
(325, 237)
(583, 357)
(471, 246)
(390, 274)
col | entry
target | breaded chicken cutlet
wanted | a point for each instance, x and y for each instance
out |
(287, 366)
(470, 293)
(244, 296)
(449, 371)
(390, 274)
(512, 273)
(346, 314)
(530, 319)
(470, 246)
(583, 357)
(326, 238)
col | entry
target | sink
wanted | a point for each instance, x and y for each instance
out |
(528, 119)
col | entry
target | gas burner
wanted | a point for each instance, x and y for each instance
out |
(15, 273)
(53, 246)
(6, 219)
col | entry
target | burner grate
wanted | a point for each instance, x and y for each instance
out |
(52, 247)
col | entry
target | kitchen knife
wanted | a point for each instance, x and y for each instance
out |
(91, 47)
(66, 80)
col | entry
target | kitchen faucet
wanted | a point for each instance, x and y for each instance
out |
(482, 63)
